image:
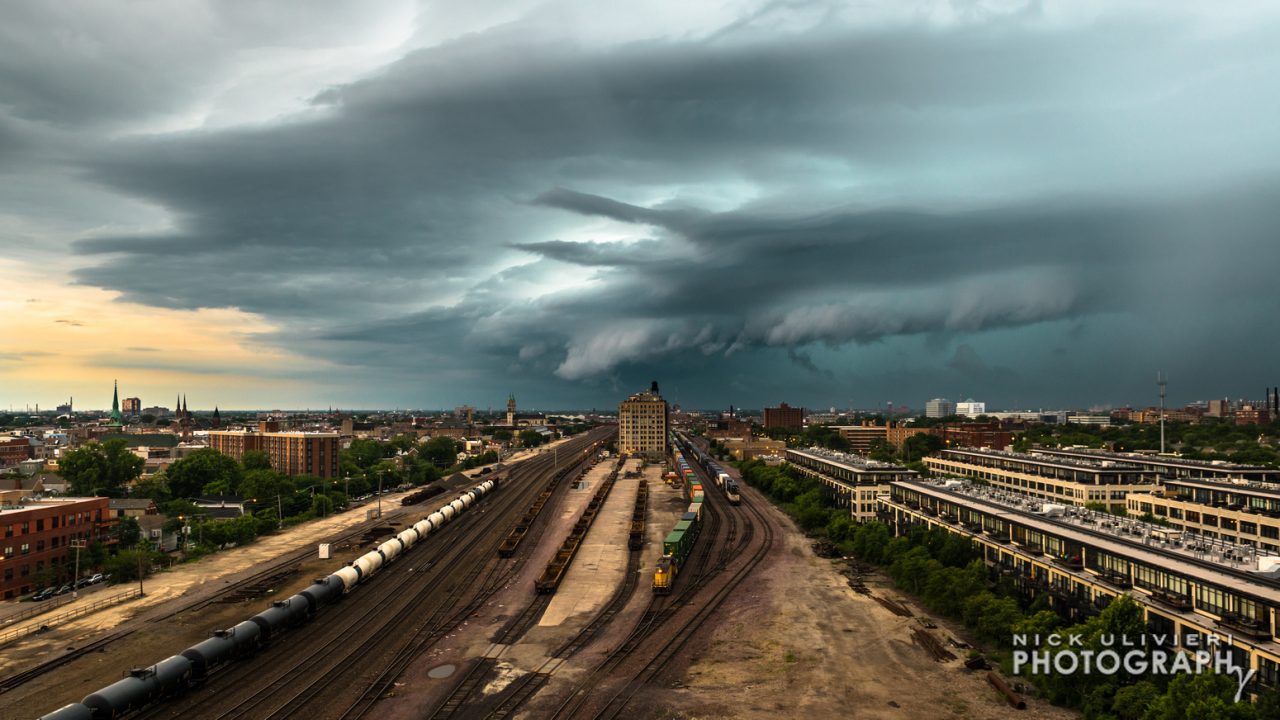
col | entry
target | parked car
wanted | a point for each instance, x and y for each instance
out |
(44, 594)
(97, 578)
(63, 590)
(83, 582)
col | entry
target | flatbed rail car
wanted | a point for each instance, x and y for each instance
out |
(635, 540)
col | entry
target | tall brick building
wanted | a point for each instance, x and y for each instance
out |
(292, 453)
(642, 425)
(784, 416)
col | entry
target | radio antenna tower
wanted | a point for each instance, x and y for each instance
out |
(1161, 382)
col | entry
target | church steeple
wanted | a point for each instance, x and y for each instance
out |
(217, 418)
(116, 417)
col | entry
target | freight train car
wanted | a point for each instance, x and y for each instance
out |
(176, 674)
(675, 550)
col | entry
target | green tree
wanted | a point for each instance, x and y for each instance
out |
(362, 455)
(262, 486)
(154, 487)
(502, 435)
(100, 468)
(531, 438)
(124, 565)
(255, 460)
(440, 451)
(127, 531)
(188, 476)
(1206, 696)
(919, 445)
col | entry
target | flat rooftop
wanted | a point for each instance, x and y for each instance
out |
(1244, 487)
(1090, 464)
(1212, 561)
(38, 503)
(1163, 460)
(850, 461)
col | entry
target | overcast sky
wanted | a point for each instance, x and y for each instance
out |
(427, 204)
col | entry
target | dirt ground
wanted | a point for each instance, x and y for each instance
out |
(796, 642)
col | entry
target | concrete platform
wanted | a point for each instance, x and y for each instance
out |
(598, 568)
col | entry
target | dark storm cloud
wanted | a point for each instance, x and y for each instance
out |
(883, 184)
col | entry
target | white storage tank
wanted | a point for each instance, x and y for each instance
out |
(349, 576)
(368, 564)
(390, 549)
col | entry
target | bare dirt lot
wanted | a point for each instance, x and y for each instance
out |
(796, 642)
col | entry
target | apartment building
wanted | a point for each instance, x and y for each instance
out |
(292, 453)
(853, 481)
(37, 538)
(1188, 587)
(1072, 481)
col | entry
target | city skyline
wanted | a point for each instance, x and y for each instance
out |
(1032, 204)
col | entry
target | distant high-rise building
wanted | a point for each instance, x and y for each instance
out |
(971, 408)
(939, 407)
(1218, 408)
(642, 424)
(131, 406)
(784, 416)
(66, 409)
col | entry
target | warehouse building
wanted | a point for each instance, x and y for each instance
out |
(1176, 467)
(853, 481)
(642, 425)
(1189, 586)
(1055, 479)
(1243, 512)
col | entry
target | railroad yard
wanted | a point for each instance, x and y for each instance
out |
(536, 600)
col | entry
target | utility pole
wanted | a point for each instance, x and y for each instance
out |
(78, 544)
(1160, 383)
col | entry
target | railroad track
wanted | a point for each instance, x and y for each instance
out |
(661, 615)
(494, 582)
(266, 575)
(386, 628)
(524, 687)
(316, 669)
(20, 678)
(678, 639)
